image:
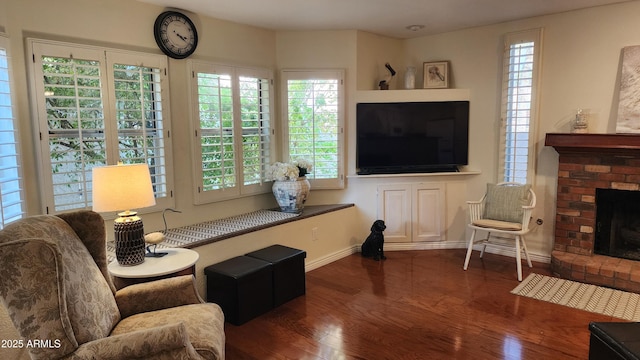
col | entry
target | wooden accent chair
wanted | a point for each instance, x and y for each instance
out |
(55, 286)
(505, 209)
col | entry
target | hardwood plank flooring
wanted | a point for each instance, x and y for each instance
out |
(415, 305)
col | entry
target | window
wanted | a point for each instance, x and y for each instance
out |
(521, 64)
(233, 130)
(95, 108)
(314, 116)
(12, 205)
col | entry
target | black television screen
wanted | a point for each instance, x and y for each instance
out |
(406, 137)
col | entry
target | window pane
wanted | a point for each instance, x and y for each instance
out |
(215, 104)
(11, 189)
(140, 123)
(75, 118)
(256, 128)
(517, 105)
(313, 123)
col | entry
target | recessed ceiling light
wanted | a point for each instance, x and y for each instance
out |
(415, 27)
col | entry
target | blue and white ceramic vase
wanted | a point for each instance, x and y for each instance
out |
(291, 195)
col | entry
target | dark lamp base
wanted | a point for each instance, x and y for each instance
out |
(129, 239)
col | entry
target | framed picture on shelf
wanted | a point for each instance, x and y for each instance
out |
(436, 75)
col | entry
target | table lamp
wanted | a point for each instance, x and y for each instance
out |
(122, 188)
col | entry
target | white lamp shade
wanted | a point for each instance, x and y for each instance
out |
(122, 187)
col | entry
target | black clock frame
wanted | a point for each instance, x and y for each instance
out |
(158, 37)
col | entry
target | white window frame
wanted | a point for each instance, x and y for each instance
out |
(12, 194)
(238, 187)
(519, 110)
(106, 58)
(317, 74)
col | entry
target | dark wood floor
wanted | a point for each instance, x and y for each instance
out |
(415, 305)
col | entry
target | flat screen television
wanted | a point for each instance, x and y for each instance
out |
(411, 137)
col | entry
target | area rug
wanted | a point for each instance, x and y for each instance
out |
(592, 298)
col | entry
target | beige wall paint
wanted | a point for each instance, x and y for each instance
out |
(373, 52)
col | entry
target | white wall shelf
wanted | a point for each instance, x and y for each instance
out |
(377, 176)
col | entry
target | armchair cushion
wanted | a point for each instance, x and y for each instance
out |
(166, 342)
(202, 320)
(505, 202)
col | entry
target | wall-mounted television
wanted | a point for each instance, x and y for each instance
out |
(411, 137)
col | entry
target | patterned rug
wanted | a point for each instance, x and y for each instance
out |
(180, 237)
(592, 298)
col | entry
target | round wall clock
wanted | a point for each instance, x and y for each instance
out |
(175, 34)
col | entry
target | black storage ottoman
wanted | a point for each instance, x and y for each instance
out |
(614, 340)
(288, 271)
(242, 286)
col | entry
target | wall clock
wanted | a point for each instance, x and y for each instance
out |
(175, 34)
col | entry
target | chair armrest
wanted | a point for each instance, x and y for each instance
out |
(157, 295)
(161, 343)
(526, 216)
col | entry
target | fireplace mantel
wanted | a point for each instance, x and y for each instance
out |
(611, 143)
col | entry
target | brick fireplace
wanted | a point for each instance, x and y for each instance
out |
(588, 162)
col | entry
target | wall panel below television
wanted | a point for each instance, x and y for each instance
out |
(411, 131)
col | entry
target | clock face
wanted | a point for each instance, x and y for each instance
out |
(175, 34)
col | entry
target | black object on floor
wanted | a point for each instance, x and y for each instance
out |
(288, 271)
(614, 340)
(242, 286)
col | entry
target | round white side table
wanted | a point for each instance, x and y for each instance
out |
(177, 262)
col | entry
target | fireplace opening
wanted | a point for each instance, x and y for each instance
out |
(617, 223)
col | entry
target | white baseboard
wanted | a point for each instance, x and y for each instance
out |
(420, 246)
(512, 253)
(311, 265)
(427, 245)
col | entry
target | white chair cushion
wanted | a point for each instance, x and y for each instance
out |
(504, 202)
(497, 224)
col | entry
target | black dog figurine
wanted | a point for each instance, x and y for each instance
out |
(373, 246)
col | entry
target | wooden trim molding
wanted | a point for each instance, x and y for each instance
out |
(610, 143)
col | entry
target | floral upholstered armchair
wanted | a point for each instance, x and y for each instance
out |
(56, 288)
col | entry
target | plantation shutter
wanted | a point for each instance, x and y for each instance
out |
(255, 117)
(71, 110)
(215, 131)
(314, 115)
(141, 128)
(233, 130)
(520, 69)
(95, 108)
(11, 184)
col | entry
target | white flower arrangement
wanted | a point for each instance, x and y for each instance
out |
(289, 171)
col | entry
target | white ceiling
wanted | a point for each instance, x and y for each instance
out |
(384, 17)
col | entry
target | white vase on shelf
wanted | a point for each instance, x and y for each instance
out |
(410, 78)
(291, 195)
